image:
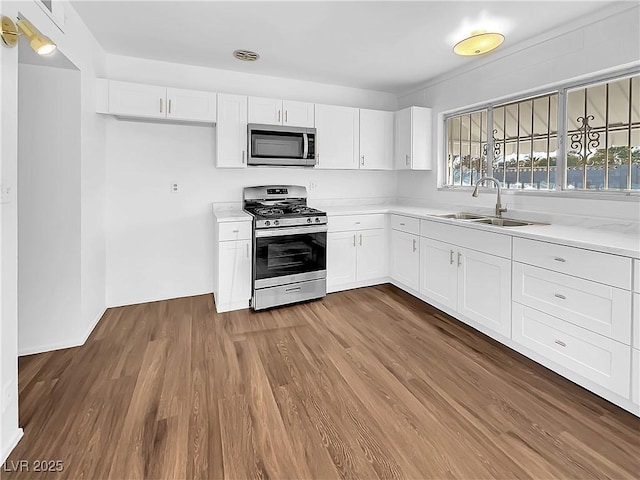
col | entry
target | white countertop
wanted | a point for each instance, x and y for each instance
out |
(598, 239)
(230, 213)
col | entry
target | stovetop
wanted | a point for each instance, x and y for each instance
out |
(281, 206)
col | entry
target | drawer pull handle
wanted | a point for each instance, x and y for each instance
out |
(235, 231)
(295, 289)
(560, 296)
(402, 224)
(357, 223)
(559, 259)
(561, 343)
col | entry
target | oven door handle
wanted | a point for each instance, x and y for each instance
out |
(305, 152)
(280, 232)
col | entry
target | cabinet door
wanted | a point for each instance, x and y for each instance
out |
(484, 290)
(405, 258)
(234, 272)
(265, 110)
(231, 131)
(337, 137)
(420, 138)
(439, 272)
(402, 137)
(341, 259)
(376, 140)
(191, 105)
(371, 254)
(298, 114)
(137, 99)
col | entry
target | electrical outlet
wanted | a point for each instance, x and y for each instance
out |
(314, 186)
(175, 188)
(6, 193)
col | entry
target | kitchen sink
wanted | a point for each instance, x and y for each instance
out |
(503, 222)
(462, 216)
(488, 220)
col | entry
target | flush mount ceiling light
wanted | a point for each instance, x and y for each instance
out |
(246, 55)
(40, 43)
(479, 42)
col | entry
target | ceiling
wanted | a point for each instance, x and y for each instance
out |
(389, 46)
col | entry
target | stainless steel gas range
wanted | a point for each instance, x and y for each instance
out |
(289, 246)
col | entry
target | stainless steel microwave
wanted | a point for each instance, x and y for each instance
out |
(278, 145)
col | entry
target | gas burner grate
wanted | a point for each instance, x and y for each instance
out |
(269, 211)
(304, 210)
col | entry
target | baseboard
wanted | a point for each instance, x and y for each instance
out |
(351, 286)
(153, 299)
(9, 448)
(78, 342)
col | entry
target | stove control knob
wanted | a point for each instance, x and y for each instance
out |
(317, 220)
(276, 222)
(267, 223)
(308, 220)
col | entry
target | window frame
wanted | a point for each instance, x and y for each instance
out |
(562, 89)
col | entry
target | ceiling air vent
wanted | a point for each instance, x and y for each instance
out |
(246, 55)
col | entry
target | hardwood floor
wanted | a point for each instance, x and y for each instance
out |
(369, 383)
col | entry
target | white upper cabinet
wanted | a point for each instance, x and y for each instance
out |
(338, 133)
(271, 111)
(137, 99)
(153, 101)
(412, 133)
(192, 105)
(298, 114)
(231, 131)
(376, 139)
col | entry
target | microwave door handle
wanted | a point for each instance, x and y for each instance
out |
(305, 139)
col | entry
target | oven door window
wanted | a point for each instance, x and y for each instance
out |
(290, 254)
(277, 145)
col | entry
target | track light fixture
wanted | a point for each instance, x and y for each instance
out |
(42, 44)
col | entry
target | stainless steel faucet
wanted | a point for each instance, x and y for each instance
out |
(499, 207)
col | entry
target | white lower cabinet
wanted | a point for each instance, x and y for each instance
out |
(404, 261)
(588, 354)
(405, 258)
(597, 307)
(232, 269)
(475, 284)
(635, 376)
(357, 252)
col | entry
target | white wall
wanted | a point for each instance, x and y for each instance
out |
(159, 244)
(82, 50)
(48, 208)
(603, 41)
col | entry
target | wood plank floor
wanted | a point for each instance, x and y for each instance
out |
(369, 383)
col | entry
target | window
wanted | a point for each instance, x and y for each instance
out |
(525, 149)
(467, 148)
(603, 130)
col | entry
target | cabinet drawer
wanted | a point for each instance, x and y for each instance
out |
(600, 308)
(234, 231)
(405, 224)
(596, 266)
(479, 240)
(592, 356)
(341, 223)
